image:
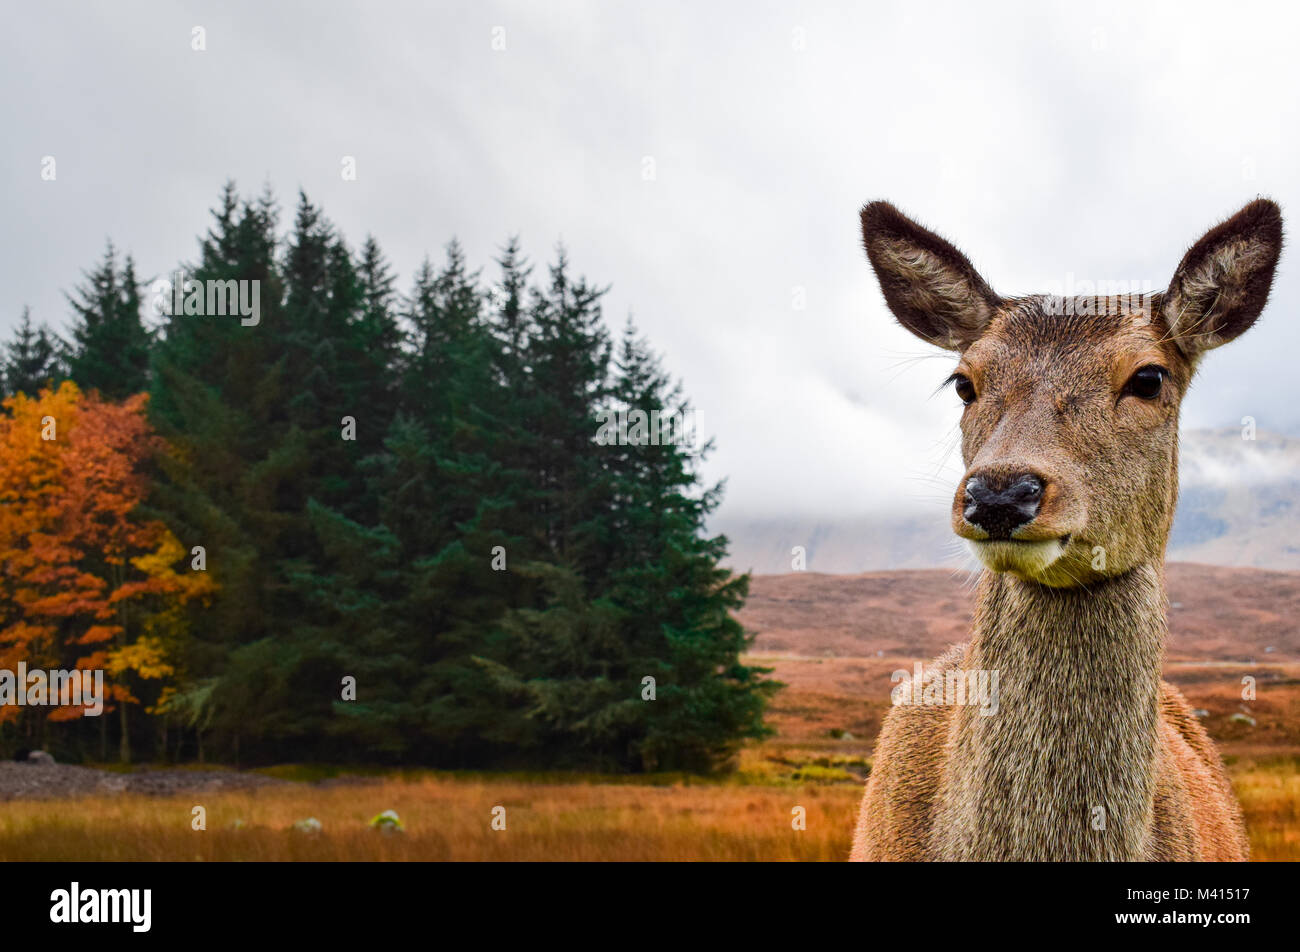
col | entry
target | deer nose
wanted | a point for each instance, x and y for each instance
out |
(1000, 504)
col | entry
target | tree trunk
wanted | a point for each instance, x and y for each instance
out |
(124, 749)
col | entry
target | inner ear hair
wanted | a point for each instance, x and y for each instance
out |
(930, 286)
(1223, 282)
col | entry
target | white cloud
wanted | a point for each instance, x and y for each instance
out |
(1043, 140)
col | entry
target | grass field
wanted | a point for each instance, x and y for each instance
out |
(1269, 790)
(449, 817)
(826, 724)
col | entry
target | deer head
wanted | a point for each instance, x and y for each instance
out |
(1070, 426)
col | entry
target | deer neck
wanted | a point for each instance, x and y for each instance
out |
(1065, 768)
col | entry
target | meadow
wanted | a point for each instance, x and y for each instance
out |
(745, 817)
(825, 721)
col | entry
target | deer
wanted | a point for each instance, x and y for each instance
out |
(1069, 438)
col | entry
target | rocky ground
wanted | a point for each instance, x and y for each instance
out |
(31, 780)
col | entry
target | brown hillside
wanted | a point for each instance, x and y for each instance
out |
(1216, 613)
(837, 639)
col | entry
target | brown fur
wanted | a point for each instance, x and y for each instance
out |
(1089, 755)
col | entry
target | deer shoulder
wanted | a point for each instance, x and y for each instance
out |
(897, 808)
(1191, 783)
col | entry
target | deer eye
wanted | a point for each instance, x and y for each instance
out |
(1146, 382)
(965, 389)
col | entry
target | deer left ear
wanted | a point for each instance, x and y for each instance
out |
(1222, 284)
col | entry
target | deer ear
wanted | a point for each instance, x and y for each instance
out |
(929, 285)
(1223, 281)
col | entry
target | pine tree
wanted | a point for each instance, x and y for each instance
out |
(666, 578)
(218, 397)
(445, 317)
(563, 656)
(109, 345)
(441, 490)
(238, 362)
(569, 359)
(283, 683)
(509, 315)
(31, 359)
(496, 578)
(374, 350)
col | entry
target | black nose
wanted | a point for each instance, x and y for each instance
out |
(1000, 504)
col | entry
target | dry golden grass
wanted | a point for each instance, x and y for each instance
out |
(826, 721)
(1269, 791)
(446, 818)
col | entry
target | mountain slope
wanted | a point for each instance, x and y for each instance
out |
(1239, 505)
(1216, 613)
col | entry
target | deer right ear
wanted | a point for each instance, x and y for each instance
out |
(933, 290)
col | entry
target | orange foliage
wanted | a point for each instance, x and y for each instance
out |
(79, 568)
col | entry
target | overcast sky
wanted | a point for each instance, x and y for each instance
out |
(1046, 140)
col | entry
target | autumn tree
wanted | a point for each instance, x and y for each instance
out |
(86, 581)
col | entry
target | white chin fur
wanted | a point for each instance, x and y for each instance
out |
(1020, 558)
